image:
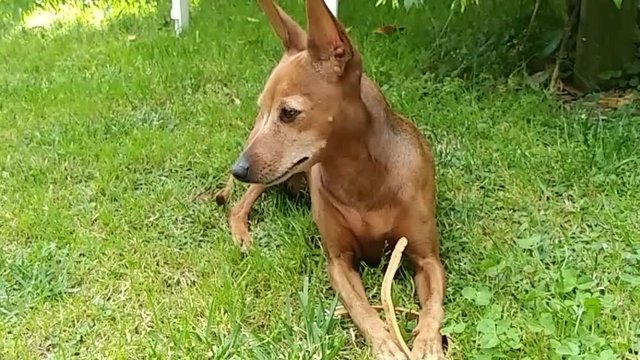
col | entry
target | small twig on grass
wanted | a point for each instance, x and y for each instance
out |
(411, 314)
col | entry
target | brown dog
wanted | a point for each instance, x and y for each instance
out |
(371, 174)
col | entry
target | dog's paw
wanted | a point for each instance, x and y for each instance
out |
(428, 348)
(242, 239)
(221, 196)
(240, 232)
(387, 349)
(427, 356)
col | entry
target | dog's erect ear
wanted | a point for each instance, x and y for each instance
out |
(327, 38)
(293, 37)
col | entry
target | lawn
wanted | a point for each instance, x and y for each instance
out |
(110, 126)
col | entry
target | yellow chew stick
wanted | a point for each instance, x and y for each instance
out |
(385, 293)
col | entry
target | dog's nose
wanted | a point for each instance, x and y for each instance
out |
(240, 169)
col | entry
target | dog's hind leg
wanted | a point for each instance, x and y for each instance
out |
(239, 216)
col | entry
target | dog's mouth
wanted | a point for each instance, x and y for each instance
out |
(288, 172)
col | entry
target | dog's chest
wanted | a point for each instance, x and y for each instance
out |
(373, 232)
(370, 225)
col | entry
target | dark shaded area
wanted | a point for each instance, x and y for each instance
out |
(606, 43)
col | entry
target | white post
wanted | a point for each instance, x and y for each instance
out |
(333, 6)
(180, 14)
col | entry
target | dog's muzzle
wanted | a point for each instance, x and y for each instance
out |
(240, 170)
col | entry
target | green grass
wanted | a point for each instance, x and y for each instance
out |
(105, 141)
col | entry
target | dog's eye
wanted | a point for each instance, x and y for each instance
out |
(288, 114)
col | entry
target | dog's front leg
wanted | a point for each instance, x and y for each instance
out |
(239, 216)
(430, 285)
(429, 280)
(345, 280)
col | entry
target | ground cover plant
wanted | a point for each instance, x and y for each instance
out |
(110, 126)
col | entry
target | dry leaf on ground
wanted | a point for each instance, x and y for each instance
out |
(615, 100)
(387, 29)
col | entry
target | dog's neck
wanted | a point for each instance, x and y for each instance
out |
(354, 164)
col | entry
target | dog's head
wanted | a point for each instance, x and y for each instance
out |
(303, 97)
